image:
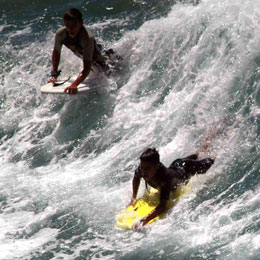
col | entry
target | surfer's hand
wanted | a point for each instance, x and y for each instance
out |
(52, 80)
(138, 225)
(132, 202)
(72, 89)
(143, 221)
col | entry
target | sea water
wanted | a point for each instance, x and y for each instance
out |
(190, 76)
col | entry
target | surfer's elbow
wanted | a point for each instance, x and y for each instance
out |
(85, 73)
(161, 207)
(87, 66)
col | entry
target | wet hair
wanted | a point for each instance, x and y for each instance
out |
(150, 155)
(73, 14)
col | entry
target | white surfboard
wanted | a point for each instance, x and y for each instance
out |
(89, 85)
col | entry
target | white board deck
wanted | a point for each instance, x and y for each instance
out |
(89, 85)
(83, 87)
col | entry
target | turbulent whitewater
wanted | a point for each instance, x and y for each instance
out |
(190, 75)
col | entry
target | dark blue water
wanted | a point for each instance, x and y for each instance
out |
(190, 77)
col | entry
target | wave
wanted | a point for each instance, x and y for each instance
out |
(188, 78)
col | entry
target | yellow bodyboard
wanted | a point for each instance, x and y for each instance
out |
(150, 200)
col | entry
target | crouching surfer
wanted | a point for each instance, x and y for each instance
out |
(81, 42)
(165, 179)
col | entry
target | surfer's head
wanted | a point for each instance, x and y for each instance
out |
(73, 21)
(150, 161)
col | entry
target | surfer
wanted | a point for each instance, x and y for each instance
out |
(81, 42)
(165, 179)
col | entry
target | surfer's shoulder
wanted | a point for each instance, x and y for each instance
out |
(61, 32)
(86, 33)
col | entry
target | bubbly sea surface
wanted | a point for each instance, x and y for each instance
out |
(190, 75)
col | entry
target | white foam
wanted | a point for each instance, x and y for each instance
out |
(200, 51)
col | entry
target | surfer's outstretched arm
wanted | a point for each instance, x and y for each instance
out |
(164, 197)
(156, 212)
(135, 185)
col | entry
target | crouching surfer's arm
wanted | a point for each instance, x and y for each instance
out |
(72, 89)
(55, 64)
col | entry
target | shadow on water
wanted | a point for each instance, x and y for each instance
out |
(80, 117)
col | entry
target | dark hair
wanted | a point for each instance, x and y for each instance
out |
(73, 14)
(150, 155)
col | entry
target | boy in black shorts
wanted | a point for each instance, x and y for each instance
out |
(165, 179)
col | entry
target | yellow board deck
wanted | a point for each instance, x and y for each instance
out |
(127, 217)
